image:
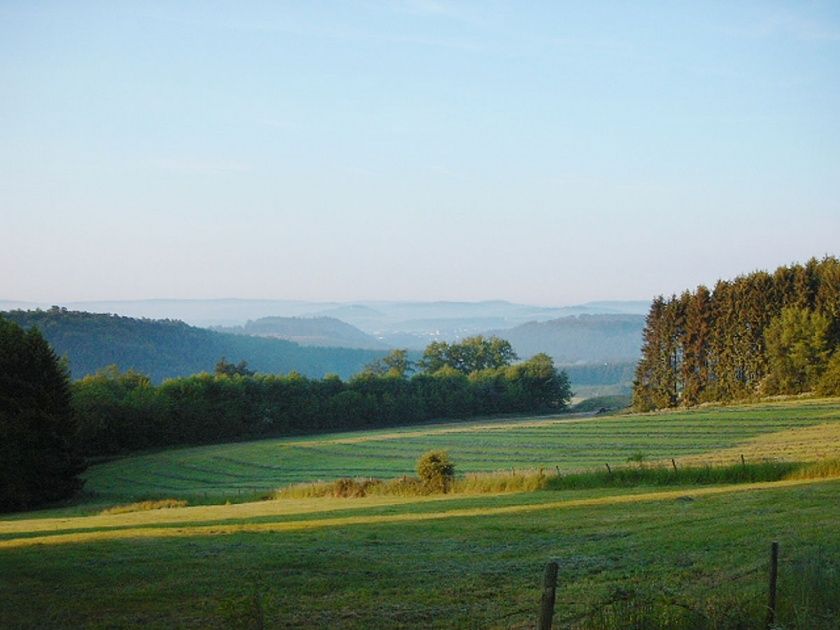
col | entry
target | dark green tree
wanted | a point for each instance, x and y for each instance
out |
(38, 456)
(225, 368)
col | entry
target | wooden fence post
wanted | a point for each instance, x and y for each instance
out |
(547, 602)
(774, 574)
(674, 464)
(609, 470)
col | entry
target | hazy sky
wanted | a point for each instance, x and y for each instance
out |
(542, 152)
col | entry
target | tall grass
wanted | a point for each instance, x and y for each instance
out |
(479, 483)
(659, 475)
(810, 589)
(817, 470)
(808, 599)
(649, 611)
(532, 480)
(142, 506)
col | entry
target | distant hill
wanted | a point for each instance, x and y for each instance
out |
(169, 348)
(415, 323)
(618, 307)
(579, 339)
(309, 331)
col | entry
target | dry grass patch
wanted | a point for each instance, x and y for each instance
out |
(802, 444)
(143, 506)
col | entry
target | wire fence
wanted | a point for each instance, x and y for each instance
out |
(747, 598)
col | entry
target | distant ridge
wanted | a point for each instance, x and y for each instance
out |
(309, 331)
(169, 348)
(372, 317)
(580, 338)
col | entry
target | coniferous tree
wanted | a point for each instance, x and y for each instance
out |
(38, 458)
(707, 346)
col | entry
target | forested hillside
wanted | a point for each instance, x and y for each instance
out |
(326, 332)
(759, 334)
(582, 338)
(167, 348)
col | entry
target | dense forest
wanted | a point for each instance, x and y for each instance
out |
(164, 349)
(759, 334)
(124, 411)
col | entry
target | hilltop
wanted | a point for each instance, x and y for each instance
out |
(584, 338)
(308, 331)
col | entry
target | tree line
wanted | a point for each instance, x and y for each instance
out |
(123, 411)
(759, 334)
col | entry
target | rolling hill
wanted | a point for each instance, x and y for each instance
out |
(308, 331)
(168, 348)
(584, 338)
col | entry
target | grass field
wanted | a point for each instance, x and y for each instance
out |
(800, 430)
(436, 561)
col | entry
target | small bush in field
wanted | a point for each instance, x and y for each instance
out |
(436, 471)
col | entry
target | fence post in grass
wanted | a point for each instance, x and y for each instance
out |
(609, 470)
(743, 461)
(774, 574)
(547, 602)
(674, 464)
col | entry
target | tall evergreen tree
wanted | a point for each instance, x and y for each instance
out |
(38, 459)
(716, 345)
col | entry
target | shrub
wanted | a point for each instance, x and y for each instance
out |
(436, 471)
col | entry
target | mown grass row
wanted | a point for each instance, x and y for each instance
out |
(225, 472)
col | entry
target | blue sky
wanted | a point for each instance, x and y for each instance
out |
(548, 152)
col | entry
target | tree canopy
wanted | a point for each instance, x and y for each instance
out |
(473, 354)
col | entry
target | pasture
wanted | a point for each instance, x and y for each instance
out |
(435, 561)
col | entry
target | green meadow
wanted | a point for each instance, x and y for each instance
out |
(457, 560)
(798, 430)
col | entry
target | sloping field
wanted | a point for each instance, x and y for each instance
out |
(446, 561)
(795, 430)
